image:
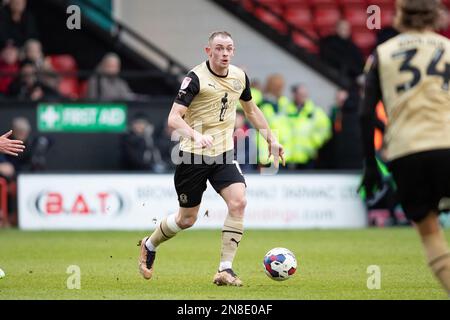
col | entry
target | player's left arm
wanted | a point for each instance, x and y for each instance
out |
(368, 119)
(257, 119)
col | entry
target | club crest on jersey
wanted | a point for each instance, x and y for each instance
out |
(237, 85)
(185, 82)
(183, 198)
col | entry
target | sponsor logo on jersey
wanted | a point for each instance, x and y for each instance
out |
(185, 83)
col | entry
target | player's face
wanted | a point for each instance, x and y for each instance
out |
(220, 51)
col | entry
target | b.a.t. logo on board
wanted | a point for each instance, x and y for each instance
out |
(53, 203)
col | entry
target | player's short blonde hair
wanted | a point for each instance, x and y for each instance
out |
(215, 34)
(417, 14)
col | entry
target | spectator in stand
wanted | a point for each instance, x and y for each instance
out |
(326, 154)
(273, 93)
(311, 129)
(32, 51)
(340, 53)
(27, 87)
(336, 110)
(16, 23)
(9, 64)
(274, 106)
(21, 131)
(256, 89)
(34, 156)
(347, 152)
(167, 143)
(106, 83)
(138, 148)
(32, 159)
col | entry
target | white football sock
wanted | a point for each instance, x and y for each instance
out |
(150, 245)
(171, 230)
(225, 265)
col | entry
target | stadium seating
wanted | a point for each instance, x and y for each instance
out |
(83, 89)
(271, 19)
(247, 5)
(382, 2)
(287, 3)
(355, 15)
(320, 2)
(365, 40)
(326, 17)
(319, 17)
(304, 42)
(269, 2)
(352, 2)
(274, 6)
(387, 16)
(65, 63)
(299, 16)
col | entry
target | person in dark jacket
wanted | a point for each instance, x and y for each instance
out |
(346, 143)
(34, 157)
(16, 23)
(340, 53)
(28, 86)
(106, 84)
(138, 148)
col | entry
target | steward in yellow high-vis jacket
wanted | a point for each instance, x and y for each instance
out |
(310, 127)
(275, 107)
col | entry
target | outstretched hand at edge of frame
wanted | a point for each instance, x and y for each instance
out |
(11, 147)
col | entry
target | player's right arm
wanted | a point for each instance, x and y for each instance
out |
(188, 90)
(177, 123)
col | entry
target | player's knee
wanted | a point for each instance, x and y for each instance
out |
(237, 206)
(186, 222)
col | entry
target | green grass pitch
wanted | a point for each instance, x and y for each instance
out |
(332, 264)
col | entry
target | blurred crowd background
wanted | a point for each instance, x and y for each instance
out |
(39, 65)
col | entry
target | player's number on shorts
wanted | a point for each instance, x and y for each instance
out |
(406, 66)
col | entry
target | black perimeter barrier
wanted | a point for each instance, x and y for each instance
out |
(93, 151)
